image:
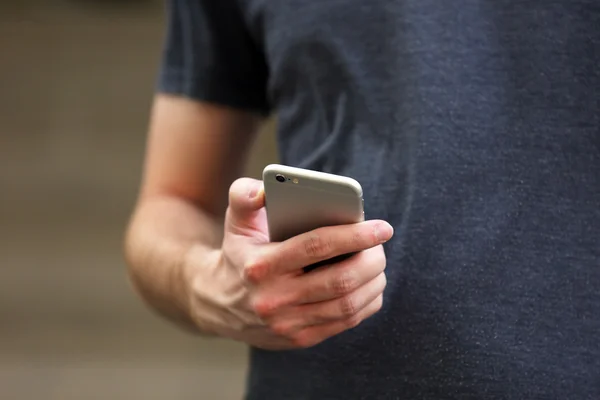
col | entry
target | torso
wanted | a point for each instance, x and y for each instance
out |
(474, 128)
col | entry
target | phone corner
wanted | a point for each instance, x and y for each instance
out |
(268, 169)
(355, 186)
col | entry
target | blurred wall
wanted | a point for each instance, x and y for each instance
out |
(76, 80)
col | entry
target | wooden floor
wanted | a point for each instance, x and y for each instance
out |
(75, 86)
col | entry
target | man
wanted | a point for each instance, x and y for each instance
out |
(474, 128)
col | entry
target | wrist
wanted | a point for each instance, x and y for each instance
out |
(195, 276)
(159, 238)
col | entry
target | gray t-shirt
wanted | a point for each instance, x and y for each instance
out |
(474, 128)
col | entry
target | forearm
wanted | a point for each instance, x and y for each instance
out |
(195, 150)
(162, 232)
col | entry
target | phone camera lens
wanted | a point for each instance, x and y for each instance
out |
(280, 178)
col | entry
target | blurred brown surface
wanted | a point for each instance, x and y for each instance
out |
(76, 80)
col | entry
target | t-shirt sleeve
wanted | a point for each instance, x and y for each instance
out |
(209, 55)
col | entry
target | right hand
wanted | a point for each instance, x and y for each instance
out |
(258, 293)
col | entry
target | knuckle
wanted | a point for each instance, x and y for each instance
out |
(374, 258)
(383, 279)
(381, 259)
(316, 246)
(282, 329)
(379, 303)
(348, 306)
(365, 236)
(253, 271)
(264, 307)
(344, 283)
(353, 321)
(303, 340)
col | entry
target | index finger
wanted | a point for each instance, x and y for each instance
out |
(319, 245)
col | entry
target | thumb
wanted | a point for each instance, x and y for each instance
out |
(246, 198)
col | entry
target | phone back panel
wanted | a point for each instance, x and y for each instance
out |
(306, 200)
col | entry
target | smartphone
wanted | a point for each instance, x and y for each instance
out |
(299, 200)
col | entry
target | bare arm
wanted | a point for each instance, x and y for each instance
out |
(195, 151)
(198, 246)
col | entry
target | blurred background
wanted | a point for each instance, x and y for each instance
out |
(76, 80)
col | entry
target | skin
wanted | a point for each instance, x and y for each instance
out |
(198, 250)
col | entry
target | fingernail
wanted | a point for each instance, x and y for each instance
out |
(253, 192)
(383, 232)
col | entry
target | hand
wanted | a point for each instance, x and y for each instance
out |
(258, 293)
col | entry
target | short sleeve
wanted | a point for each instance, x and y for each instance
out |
(209, 55)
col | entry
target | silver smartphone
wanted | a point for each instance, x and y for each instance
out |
(300, 200)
